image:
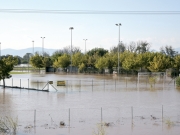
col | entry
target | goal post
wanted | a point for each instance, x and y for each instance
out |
(143, 76)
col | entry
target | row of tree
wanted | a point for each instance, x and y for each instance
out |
(134, 57)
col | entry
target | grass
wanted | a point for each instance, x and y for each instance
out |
(100, 130)
(18, 72)
(8, 125)
(169, 122)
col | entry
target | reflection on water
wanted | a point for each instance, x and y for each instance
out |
(88, 100)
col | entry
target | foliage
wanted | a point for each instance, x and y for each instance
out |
(142, 47)
(6, 66)
(37, 61)
(168, 50)
(100, 130)
(178, 81)
(8, 125)
(159, 63)
(62, 61)
(177, 62)
(97, 51)
(169, 122)
(122, 48)
(152, 80)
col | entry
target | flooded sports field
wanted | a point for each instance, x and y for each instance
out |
(60, 104)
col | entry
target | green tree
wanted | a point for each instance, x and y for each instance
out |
(176, 64)
(62, 61)
(47, 62)
(97, 51)
(7, 65)
(130, 62)
(37, 61)
(160, 63)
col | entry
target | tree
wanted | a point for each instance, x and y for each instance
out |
(177, 63)
(160, 63)
(37, 61)
(56, 54)
(142, 47)
(122, 48)
(62, 61)
(130, 62)
(26, 58)
(132, 47)
(97, 51)
(47, 62)
(7, 65)
(168, 50)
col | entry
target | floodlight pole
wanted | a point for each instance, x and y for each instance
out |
(42, 46)
(71, 28)
(85, 45)
(33, 46)
(118, 45)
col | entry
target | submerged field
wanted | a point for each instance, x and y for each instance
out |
(123, 105)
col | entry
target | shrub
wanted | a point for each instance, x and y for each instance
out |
(178, 81)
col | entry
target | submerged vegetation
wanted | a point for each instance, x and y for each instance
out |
(8, 125)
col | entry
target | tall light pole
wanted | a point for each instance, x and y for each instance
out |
(71, 28)
(42, 46)
(33, 46)
(85, 45)
(119, 24)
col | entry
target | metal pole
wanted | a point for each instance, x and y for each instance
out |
(69, 114)
(92, 85)
(20, 83)
(101, 114)
(85, 45)
(162, 113)
(28, 84)
(33, 46)
(132, 114)
(118, 45)
(42, 46)
(34, 116)
(71, 28)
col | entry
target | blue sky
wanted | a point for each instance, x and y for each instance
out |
(18, 30)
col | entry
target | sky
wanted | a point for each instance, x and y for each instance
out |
(18, 30)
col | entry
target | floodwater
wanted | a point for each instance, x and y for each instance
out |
(125, 105)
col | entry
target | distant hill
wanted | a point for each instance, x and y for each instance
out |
(22, 52)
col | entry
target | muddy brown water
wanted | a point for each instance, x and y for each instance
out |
(86, 101)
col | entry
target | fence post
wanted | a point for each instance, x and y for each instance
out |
(37, 85)
(115, 84)
(92, 85)
(104, 84)
(69, 114)
(12, 82)
(162, 113)
(34, 117)
(101, 115)
(20, 83)
(132, 113)
(126, 83)
(28, 84)
(80, 85)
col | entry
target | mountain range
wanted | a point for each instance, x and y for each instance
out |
(22, 52)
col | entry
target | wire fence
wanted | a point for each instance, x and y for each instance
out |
(92, 116)
(130, 83)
